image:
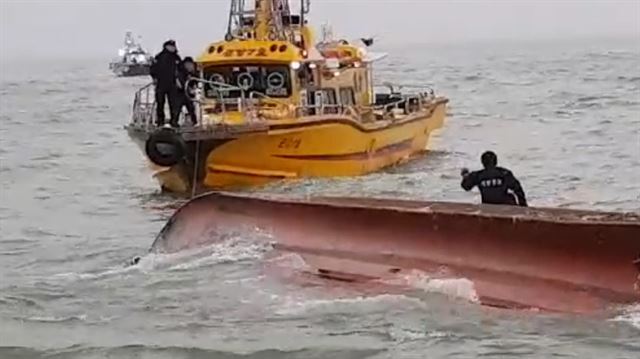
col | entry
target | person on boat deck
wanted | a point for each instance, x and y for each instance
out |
(497, 185)
(164, 73)
(187, 88)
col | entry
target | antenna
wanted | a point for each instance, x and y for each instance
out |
(327, 32)
(264, 19)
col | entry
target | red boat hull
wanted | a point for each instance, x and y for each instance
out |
(553, 259)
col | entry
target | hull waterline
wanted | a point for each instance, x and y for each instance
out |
(552, 259)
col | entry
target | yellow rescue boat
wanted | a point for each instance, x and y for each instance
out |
(273, 104)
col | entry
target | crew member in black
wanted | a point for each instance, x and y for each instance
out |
(497, 185)
(187, 88)
(164, 73)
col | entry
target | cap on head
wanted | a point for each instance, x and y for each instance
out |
(169, 43)
(188, 59)
(489, 159)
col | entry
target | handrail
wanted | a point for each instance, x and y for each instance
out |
(143, 110)
(215, 83)
(144, 105)
(392, 87)
(389, 106)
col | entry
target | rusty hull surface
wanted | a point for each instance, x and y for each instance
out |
(552, 259)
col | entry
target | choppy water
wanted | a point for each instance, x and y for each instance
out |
(77, 201)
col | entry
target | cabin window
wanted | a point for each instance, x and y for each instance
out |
(272, 81)
(347, 97)
(291, 20)
(306, 76)
(322, 101)
(329, 97)
(322, 97)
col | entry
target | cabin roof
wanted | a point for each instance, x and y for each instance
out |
(250, 51)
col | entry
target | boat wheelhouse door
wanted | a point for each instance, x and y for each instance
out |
(312, 101)
(318, 101)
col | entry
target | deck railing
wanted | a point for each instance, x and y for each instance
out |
(259, 108)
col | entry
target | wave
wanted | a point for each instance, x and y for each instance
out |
(19, 301)
(595, 98)
(53, 91)
(107, 273)
(611, 54)
(623, 103)
(162, 352)
(230, 250)
(629, 78)
(477, 77)
(289, 260)
(403, 335)
(459, 288)
(590, 102)
(53, 319)
(630, 315)
(296, 306)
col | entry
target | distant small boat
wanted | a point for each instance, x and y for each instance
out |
(133, 59)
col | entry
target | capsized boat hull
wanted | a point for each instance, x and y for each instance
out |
(560, 260)
(312, 146)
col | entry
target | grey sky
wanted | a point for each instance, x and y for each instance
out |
(95, 28)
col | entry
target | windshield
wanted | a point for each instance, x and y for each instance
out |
(272, 81)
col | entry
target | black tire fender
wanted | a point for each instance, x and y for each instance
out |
(165, 147)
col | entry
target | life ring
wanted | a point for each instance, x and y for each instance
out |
(165, 147)
(218, 78)
(245, 81)
(275, 80)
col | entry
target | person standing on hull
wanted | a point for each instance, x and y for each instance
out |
(164, 73)
(187, 89)
(497, 185)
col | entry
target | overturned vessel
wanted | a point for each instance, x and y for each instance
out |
(133, 59)
(274, 104)
(551, 259)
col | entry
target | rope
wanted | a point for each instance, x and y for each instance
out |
(195, 169)
(196, 157)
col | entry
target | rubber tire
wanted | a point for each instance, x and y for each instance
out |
(165, 136)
